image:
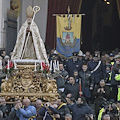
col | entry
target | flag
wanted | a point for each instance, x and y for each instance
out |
(118, 4)
(68, 34)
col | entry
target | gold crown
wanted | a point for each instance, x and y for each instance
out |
(29, 11)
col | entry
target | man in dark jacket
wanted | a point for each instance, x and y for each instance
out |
(13, 110)
(83, 110)
(115, 79)
(72, 87)
(73, 64)
(97, 69)
(61, 78)
(12, 115)
(47, 112)
(62, 108)
(100, 92)
(38, 106)
(86, 82)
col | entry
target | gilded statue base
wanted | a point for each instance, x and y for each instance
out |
(26, 83)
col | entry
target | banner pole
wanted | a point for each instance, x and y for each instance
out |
(67, 14)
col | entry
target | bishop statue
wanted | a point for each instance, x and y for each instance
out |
(33, 48)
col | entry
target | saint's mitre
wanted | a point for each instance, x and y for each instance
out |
(29, 11)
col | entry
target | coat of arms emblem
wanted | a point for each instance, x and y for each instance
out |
(67, 39)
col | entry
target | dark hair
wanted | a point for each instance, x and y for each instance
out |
(62, 99)
(1, 52)
(83, 99)
(72, 99)
(75, 70)
(72, 76)
(84, 63)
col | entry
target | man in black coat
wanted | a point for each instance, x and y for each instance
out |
(115, 80)
(81, 110)
(86, 82)
(73, 64)
(12, 115)
(101, 93)
(97, 69)
(72, 87)
(62, 108)
(38, 106)
(47, 112)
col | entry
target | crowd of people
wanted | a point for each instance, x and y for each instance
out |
(88, 85)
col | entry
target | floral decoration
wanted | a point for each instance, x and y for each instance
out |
(11, 68)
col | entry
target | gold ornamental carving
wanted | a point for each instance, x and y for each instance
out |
(25, 82)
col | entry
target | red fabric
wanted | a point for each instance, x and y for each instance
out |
(58, 7)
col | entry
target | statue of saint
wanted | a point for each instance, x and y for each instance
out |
(34, 48)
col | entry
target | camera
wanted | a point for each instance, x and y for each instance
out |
(104, 104)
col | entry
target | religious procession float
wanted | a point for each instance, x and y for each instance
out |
(28, 72)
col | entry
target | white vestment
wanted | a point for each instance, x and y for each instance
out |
(34, 49)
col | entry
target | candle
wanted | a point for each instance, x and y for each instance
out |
(54, 67)
(15, 66)
(51, 65)
(6, 78)
(41, 67)
(58, 65)
(35, 66)
(8, 65)
(0, 64)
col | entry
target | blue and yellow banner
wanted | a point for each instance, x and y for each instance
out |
(68, 34)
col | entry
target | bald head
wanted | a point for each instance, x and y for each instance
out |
(38, 101)
(38, 104)
(26, 102)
